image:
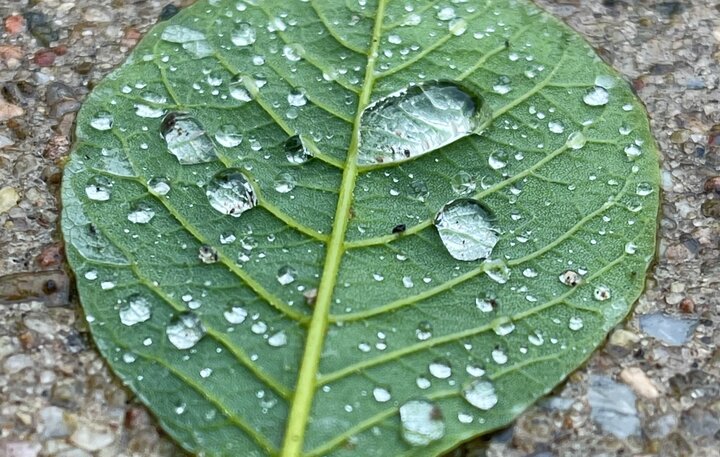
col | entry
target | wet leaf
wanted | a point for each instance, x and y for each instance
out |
(288, 248)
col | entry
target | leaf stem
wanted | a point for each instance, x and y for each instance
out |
(307, 379)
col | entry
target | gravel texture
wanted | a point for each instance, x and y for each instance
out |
(653, 389)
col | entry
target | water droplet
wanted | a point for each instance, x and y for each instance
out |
(486, 304)
(475, 371)
(423, 383)
(424, 331)
(293, 52)
(556, 127)
(530, 273)
(185, 330)
(235, 315)
(463, 183)
(643, 189)
(499, 356)
(422, 422)
(286, 275)
(186, 139)
(205, 372)
(419, 119)
(381, 394)
(605, 81)
(502, 86)
(243, 35)
(259, 328)
(277, 340)
(98, 189)
(570, 278)
(207, 254)
(180, 34)
(284, 183)
(229, 192)
(137, 309)
(632, 151)
(597, 96)
(481, 394)
(158, 186)
(458, 26)
(601, 293)
(394, 39)
(464, 418)
(228, 136)
(129, 357)
(142, 214)
(504, 328)
(420, 190)
(576, 140)
(148, 112)
(408, 282)
(575, 323)
(498, 272)
(465, 228)
(102, 121)
(498, 159)
(445, 14)
(440, 369)
(295, 150)
(630, 248)
(296, 97)
(536, 338)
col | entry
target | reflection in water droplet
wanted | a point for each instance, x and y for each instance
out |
(229, 192)
(235, 315)
(556, 127)
(601, 293)
(503, 329)
(286, 275)
(284, 183)
(381, 394)
(142, 214)
(243, 35)
(481, 394)
(570, 278)
(228, 136)
(597, 96)
(422, 422)
(207, 254)
(186, 139)
(440, 369)
(102, 121)
(466, 230)
(277, 340)
(137, 309)
(463, 183)
(295, 150)
(576, 140)
(185, 330)
(630, 248)
(296, 97)
(417, 120)
(632, 151)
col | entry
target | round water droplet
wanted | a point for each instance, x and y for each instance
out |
(420, 190)
(142, 214)
(504, 328)
(481, 394)
(576, 140)
(632, 151)
(502, 86)
(286, 275)
(158, 186)
(186, 139)
(137, 309)
(466, 229)
(98, 189)
(424, 331)
(205, 372)
(457, 26)
(498, 272)
(228, 136)
(381, 394)
(243, 35)
(598, 96)
(423, 383)
(463, 183)
(630, 248)
(277, 340)
(485, 304)
(284, 183)
(293, 52)
(422, 422)
(445, 14)
(601, 293)
(643, 189)
(185, 330)
(419, 119)
(575, 323)
(235, 315)
(556, 127)
(102, 121)
(570, 278)
(296, 97)
(129, 357)
(536, 338)
(229, 192)
(295, 150)
(440, 369)
(498, 159)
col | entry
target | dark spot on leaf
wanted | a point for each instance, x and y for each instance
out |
(400, 228)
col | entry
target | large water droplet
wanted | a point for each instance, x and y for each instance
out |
(296, 97)
(576, 140)
(229, 192)
(381, 394)
(277, 340)
(228, 136)
(481, 394)
(295, 150)
(440, 369)
(186, 139)
(185, 330)
(102, 121)
(466, 229)
(597, 96)
(422, 422)
(235, 315)
(243, 35)
(137, 309)
(98, 189)
(419, 119)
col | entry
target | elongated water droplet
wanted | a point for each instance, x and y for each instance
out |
(295, 150)
(440, 369)
(466, 229)
(229, 192)
(180, 34)
(422, 422)
(142, 214)
(185, 330)
(243, 35)
(186, 139)
(277, 340)
(228, 136)
(481, 394)
(499, 356)
(102, 121)
(419, 119)
(503, 329)
(137, 309)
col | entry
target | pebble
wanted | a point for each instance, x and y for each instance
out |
(97, 14)
(14, 24)
(623, 338)
(671, 330)
(52, 423)
(636, 378)
(20, 449)
(91, 437)
(17, 362)
(44, 58)
(613, 407)
(9, 111)
(8, 198)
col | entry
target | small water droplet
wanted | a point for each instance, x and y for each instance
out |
(498, 272)
(228, 136)
(601, 293)
(466, 230)
(598, 96)
(643, 189)
(536, 338)
(424, 331)
(576, 140)
(207, 254)
(296, 97)
(475, 371)
(136, 310)
(284, 183)
(457, 26)
(180, 34)
(186, 139)
(205, 372)
(463, 183)
(98, 189)
(419, 119)
(570, 278)
(498, 159)
(530, 273)
(295, 150)
(575, 323)
(504, 328)
(129, 357)
(102, 121)
(632, 151)
(277, 340)
(445, 14)
(440, 369)
(481, 394)
(499, 356)
(243, 35)
(229, 192)
(464, 418)
(293, 52)
(630, 248)
(142, 214)
(286, 275)
(556, 127)
(422, 382)
(158, 186)
(185, 330)
(381, 394)
(235, 315)
(502, 86)
(485, 304)
(422, 422)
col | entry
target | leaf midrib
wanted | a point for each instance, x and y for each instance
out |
(307, 378)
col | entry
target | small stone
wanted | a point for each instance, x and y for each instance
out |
(613, 407)
(711, 208)
(17, 362)
(671, 330)
(44, 58)
(639, 382)
(8, 199)
(687, 306)
(97, 14)
(92, 437)
(52, 423)
(623, 338)
(712, 185)
(9, 111)
(20, 449)
(51, 256)
(14, 24)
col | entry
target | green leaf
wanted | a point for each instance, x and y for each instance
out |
(356, 228)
